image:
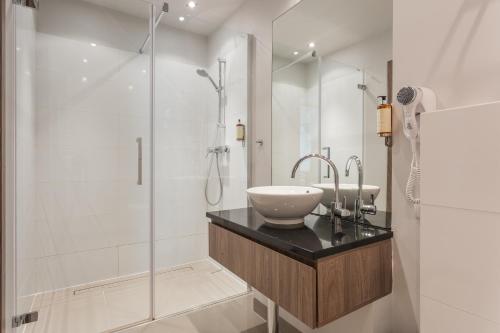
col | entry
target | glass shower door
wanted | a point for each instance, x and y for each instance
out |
(83, 161)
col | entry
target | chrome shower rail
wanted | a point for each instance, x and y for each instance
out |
(164, 10)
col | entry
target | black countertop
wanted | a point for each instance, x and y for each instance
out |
(318, 238)
(380, 220)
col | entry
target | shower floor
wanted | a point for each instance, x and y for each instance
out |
(106, 306)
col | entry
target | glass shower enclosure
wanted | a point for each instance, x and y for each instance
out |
(112, 124)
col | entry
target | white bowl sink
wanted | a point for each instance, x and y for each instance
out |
(347, 191)
(285, 206)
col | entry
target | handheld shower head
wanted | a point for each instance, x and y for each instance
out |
(204, 73)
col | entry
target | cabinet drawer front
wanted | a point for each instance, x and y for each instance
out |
(231, 251)
(297, 289)
(266, 270)
(289, 283)
(353, 279)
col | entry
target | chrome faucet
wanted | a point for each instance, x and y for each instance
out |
(359, 201)
(337, 209)
(359, 207)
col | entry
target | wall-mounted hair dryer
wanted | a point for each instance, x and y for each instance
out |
(414, 101)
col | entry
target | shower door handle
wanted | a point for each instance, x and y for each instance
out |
(139, 161)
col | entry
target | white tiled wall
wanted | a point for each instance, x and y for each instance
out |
(459, 228)
(233, 47)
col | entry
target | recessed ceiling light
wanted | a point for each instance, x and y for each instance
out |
(295, 52)
(130, 87)
(93, 44)
(84, 79)
(181, 18)
(85, 60)
(143, 71)
(311, 45)
(191, 4)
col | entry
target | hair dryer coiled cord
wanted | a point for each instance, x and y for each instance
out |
(413, 180)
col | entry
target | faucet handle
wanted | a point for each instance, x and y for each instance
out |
(338, 211)
(370, 209)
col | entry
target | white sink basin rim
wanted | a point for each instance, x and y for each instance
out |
(284, 206)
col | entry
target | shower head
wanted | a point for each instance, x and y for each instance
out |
(204, 73)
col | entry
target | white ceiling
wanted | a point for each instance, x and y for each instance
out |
(204, 19)
(331, 24)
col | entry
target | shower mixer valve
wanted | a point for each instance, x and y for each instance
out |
(217, 150)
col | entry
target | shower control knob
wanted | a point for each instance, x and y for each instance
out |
(260, 142)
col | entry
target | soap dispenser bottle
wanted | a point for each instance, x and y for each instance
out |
(240, 131)
(384, 117)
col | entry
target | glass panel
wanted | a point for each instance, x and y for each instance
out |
(193, 115)
(341, 114)
(352, 52)
(295, 120)
(83, 221)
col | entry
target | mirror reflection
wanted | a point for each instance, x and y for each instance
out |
(331, 72)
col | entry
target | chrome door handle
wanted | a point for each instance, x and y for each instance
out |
(328, 150)
(139, 161)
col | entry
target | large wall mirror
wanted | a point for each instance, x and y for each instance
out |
(331, 60)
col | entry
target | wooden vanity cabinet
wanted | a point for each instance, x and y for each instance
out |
(316, 295)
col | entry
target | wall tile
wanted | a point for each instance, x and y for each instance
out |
(442, 318)
(133, 259)
(78, 268)
(459, 167)
(458, 259)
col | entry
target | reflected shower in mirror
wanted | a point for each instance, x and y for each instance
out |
(331, 61)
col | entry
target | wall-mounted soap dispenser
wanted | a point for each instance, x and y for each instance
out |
(240, 132)
(384, 119)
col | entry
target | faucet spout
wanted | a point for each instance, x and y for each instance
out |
(359, 203)
(332, 165)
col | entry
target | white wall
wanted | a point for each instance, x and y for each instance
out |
(456, 54)
(234, 48)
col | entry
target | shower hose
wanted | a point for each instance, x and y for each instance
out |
(221, 188)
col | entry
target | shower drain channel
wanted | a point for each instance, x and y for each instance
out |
(115, 284)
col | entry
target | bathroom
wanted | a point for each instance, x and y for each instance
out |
(135, 133)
